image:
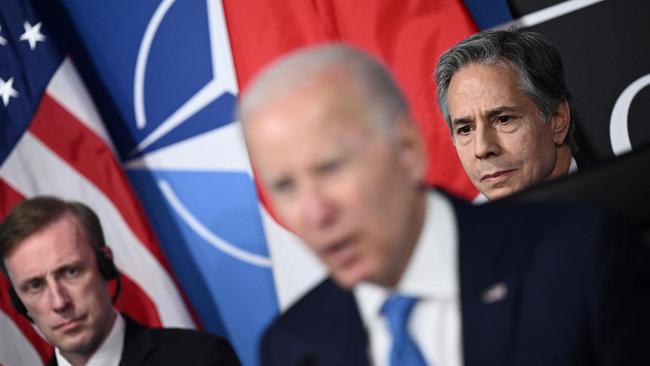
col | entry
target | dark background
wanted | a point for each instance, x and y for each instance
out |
(605, 47)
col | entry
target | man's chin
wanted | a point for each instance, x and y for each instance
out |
(349, 278)
(80, 343)
(345, 282)
(498, 192)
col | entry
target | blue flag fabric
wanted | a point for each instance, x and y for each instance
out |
(167, 71)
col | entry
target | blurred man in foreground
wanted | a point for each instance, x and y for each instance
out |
(59, 266)
(419, 277)
(507, 106)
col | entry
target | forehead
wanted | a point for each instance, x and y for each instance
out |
(480, 82)
(304, 123)
(54, 245)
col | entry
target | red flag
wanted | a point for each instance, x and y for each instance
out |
(407, 35)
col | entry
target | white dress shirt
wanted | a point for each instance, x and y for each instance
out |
(431, 275)
(109, 352)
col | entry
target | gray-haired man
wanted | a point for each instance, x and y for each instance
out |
(506, 103)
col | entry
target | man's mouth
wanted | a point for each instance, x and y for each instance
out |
(498, 176)
(339, 253)
(70, 324)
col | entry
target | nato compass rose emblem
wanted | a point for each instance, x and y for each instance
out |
(189, 164)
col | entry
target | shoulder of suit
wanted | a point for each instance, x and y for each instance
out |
(324, 298)
(327, 307)
(326, 321)
(189, 336)
(178, 339)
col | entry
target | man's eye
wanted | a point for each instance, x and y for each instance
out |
(34, 286)
(330, 167)
(72, 272)
(282, 186)
(504, 119)
(463, 130)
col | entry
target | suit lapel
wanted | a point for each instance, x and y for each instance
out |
(52, 361)
(348, 337)
(325, 328)
(489, 286)
(138, 343)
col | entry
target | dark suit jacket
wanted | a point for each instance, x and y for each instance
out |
(577, 294)
(171, 346)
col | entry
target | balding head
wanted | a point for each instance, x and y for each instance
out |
(334, 67)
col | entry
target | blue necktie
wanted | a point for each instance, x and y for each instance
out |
(404, 352)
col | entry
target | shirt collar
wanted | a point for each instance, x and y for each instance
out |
(432, 270)
(109, 352)
(574, 166)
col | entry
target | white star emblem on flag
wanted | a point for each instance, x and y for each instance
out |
(7, 90)
(2, 40)
(32, 34)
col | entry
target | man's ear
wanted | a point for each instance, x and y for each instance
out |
(560, 122)
(411, 147)
(107, 251)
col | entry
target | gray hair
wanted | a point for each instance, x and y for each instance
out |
(299, 69)
(538, 65)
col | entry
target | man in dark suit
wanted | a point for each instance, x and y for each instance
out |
(55, 256)
(418, 277)
(506, 103)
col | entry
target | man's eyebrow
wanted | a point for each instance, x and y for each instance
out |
(461, 121)
(489, 114)
(78, 263)
(498, 110)
(57, 271)
(22, 284)
(328, 162)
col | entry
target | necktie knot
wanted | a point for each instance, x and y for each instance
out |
(404, 351)
(397, 310)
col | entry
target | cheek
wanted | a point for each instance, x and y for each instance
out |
(519, 145)
(468, 160)
(464, 146)
(94, 293)
(464, 154)
(38, 310)
(285, 213)
(380, 204)
(357, 188)
(536, 146)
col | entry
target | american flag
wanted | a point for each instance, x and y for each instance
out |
(53, 141)
(129, 107)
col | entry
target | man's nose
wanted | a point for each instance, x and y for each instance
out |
(486, 142)
(317, 208)
(59, 296)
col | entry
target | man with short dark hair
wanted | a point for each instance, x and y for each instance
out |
(418, 277)
(507, 106)
(54, 254)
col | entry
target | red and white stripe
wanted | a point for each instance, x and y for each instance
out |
(66, 152)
